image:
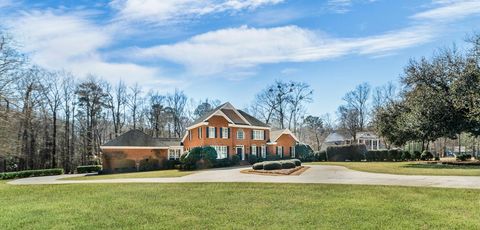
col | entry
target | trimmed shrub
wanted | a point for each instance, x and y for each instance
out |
(355, 152)
(199, 158)
(272, 165)
(287, 164)
(149, 164)
(304, 153)
(258, 166)
(30, 173)
(406, 155)
(417, 155)
(464, 157)
(252, 159)
(426, 156)
(321, 156)
(235, 160)
(222, 163)
(394, 155)
(89, 168)
(297, 162)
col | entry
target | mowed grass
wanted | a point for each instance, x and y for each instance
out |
(236, 206)
(408, 168)
(150, 174)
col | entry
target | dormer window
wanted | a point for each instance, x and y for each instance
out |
(240, 134)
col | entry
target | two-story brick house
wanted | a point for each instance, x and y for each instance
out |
(228, 130)
(232, 131)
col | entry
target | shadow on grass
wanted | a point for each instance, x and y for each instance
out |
(440, 166)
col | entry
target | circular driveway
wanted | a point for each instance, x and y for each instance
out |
(321, 174)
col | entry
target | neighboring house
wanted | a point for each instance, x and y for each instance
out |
(228, 130)
(231, 131)
(128, 151)
(370, 139)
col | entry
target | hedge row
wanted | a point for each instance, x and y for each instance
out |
(355, 152)
(275, 165)
(30, 173)
(89, 168)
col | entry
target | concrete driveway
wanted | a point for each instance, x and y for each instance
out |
(321, 174)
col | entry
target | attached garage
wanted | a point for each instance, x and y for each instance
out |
(137, 151)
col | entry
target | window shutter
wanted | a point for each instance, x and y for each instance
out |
(276, 150)
(215, 132)
(229, 133)
(207, 133)
(250, 149)
(252, 134)
(221, 132)
(198, 133)
(228, 150)
(264, 136)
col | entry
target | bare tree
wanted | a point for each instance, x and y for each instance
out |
(53, 95)
(176, 105)
(134, 98)
(349, 120)
(301, 93)
(357, 99)
(117, 102)
(68, 91)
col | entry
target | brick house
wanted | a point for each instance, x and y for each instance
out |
(233, 131)
(228, 130)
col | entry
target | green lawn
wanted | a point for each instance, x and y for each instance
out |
(408, 168)
(235, 206)
(150, 174)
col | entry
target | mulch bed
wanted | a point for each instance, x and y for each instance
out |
(281, 172)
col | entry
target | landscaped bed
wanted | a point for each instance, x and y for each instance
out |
(279, 172)
(149, 174)
(279, 168)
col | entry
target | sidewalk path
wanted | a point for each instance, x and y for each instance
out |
(316, 174)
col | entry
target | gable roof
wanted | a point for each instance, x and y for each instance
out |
(254, 121)
(137, 138)
(274, 135)
(233, 116)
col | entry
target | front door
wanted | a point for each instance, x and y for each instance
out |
(240, 152)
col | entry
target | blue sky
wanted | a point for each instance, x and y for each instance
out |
(231, 49)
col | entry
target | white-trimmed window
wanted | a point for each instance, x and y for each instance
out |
(293, 152)
(225, 133)
(258, 134)
(174, 154)
(280, 151)
(211, 132)
(240, 134)
(263, 151)
(254, 150)
(221, 151)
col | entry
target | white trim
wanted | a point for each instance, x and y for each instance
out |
(230, 106)
(132, 147)
(197, 125)
(185, 136)
(288, 132)
(271, 143)
(248, 126)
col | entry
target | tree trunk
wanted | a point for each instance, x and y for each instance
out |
(54, 141)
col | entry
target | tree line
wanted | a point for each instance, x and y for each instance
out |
(439, 99)
(52, 119)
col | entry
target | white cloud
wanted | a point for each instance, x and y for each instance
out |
(339, 6)
(237, 49)
(68, 41)
(5, 3)
(168, 11)
(450, 10)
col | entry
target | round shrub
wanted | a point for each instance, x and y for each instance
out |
(272, 165)
(287, 164)
(258, 166)
(252, 159)
(464, 157)
(426, 156)
(297, 162)
(406, 155)
(235, 159)
(417, 155)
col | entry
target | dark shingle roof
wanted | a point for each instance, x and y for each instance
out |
(139, 138)
(234, 116)
(254, 121)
